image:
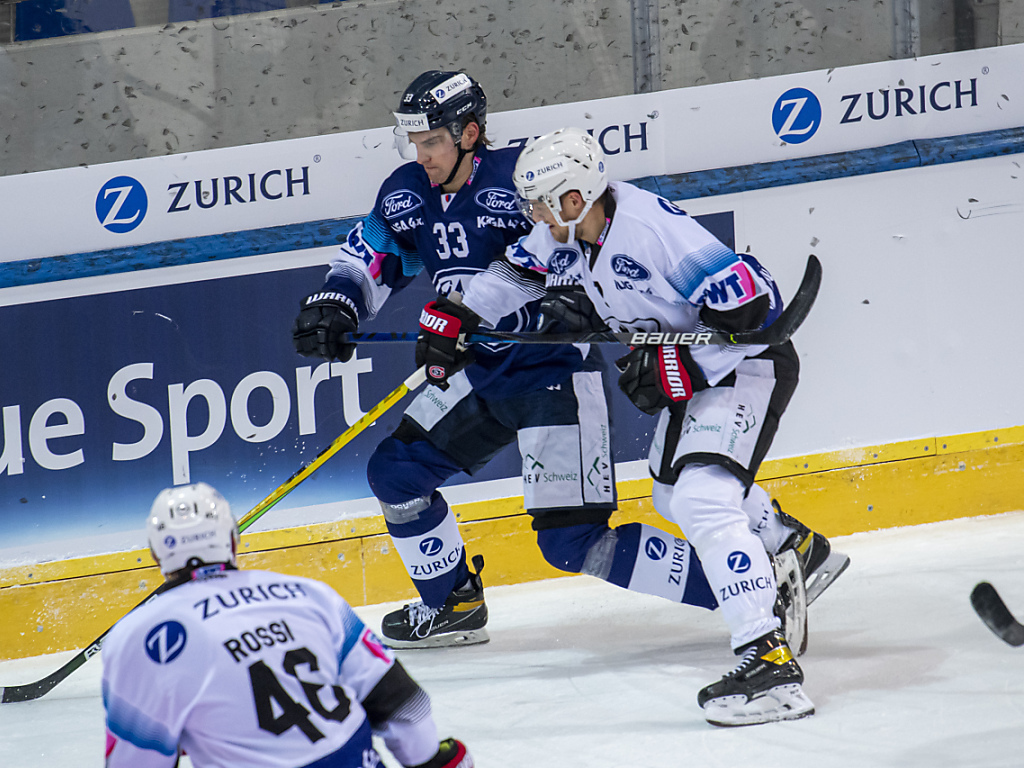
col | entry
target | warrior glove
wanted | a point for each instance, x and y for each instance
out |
(450, 754)
(438, 347)
(656, 377)
(568, 309)
(323, 318)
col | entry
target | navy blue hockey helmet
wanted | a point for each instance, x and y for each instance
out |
(439, 99)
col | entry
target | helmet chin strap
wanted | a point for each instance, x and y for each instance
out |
(455, 168)
(572, 224)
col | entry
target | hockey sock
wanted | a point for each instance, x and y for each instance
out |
(433, 552)
(642, 558)
(707, 502)
(764, 523)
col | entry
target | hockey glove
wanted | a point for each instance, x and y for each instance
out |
(568, 309)
(323, 317)
(656, 377)
(450, 754)
(438, 346)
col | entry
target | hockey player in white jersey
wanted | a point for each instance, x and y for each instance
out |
(252, 668)
(645, 265)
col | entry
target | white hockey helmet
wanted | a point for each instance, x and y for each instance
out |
(191, 522)
(562, 161)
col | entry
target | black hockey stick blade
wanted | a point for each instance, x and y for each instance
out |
(777, 333)
(30, 691)
(997, 617)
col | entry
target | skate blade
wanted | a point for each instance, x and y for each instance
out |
(783, 702)
(444, 640)
(827, 572)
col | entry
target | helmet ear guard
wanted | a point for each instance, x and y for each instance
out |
(566, 160)
(191, 523)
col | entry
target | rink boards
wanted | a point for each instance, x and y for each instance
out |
(65, 605)
(908, 338)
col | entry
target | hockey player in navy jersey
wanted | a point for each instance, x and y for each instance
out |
(252, 668)
(645, 265)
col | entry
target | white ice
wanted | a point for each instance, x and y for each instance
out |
(579, 673)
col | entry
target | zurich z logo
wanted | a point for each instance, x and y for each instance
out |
(739, 562)
(400, 203)
(121, 204)
(655, 548)
(431, 546)
(165, 642)
(796, 115)
(624, 266)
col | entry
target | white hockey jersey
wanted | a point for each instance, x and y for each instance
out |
(253, 668)
(655, 269)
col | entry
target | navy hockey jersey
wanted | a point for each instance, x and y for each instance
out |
(411, 229)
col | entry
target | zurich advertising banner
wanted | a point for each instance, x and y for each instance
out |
(329, 177)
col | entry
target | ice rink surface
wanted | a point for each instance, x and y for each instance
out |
(581, 674)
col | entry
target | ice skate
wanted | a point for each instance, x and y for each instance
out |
(764, 688)
(791, 599)
(821, 565)
(460, 621)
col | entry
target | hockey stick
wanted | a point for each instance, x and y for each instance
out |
(30, 691)
(777, 333)
(997, 617)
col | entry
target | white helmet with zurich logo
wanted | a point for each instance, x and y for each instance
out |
(190, 526)
(562, 161)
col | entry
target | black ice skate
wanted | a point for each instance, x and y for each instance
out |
(460, 621)
(764, 688)
(821, 565)
(791, 599)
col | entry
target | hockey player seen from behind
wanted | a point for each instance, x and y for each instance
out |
(644, 265)
(252, 668)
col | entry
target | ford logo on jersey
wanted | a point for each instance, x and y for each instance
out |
(562, 259)
(796, 115)
(497, 200)
(624, 266)
(165, 642)
(655, 548)
(121, 204)
(431, 546)
(400, 203)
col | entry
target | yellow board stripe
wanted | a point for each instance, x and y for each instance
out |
(836, 493)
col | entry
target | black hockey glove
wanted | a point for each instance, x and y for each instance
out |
(324, 316)
(568, 309)
(438, 346)
(450, 754)
(656, 377)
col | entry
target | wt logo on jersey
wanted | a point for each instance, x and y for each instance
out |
(165, 642)
(796, 116)
(121, 204)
